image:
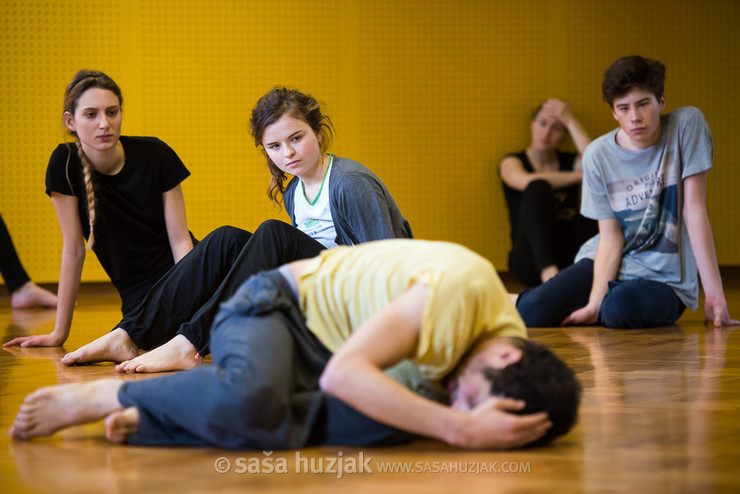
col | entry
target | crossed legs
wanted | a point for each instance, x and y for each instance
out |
(175, 318)
(176, 296)
(628, 304)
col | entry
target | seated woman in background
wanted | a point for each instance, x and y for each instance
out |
(24, 293)
(542, 191)
(331, 201)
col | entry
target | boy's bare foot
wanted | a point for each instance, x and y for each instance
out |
(31, 295)
(50, 409)
(120, 424)
(176, 354)
(115, 346)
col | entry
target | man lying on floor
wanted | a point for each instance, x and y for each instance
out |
(300, 350)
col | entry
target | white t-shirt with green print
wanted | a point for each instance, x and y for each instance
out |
(314, 218)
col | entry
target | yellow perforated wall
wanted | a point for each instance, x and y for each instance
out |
(428, 94)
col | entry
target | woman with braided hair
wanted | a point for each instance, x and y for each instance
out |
(121, 194)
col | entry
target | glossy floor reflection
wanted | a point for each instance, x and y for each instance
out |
(659, 414)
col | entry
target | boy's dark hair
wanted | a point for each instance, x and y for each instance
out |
(545, 383)
(633, 72)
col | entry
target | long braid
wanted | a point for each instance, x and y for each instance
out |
(84, 80)
(89, 192)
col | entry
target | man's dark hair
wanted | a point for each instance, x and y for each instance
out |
(545, 383)
(633, 72)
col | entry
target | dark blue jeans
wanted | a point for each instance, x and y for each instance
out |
(262, 390)
(630, 304)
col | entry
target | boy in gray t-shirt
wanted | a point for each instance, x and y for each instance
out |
(645, 183)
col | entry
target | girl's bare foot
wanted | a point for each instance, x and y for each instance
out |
(115, 346)
(176, 354)
(50, 409)
(120, 424)
(31, 295)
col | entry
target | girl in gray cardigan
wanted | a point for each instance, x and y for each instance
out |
(334, 200)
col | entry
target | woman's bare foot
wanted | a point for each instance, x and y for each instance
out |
(176, 354)
(120, 424)
(50, 409)
(115, 346)
(31, 295)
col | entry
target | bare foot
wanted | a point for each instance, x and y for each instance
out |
(115, 346)
(31, 295)
(513, 297)
(50, 409)
(176, 354)
(548, 272)
(120, 424)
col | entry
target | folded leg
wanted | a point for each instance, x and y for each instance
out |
(273, 244)
(262, 389)
(184, 288)
(547, 305)
(637, 304)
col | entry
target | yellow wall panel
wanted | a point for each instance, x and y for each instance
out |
(428, 94)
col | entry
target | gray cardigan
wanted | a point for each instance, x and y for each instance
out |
(361, 206)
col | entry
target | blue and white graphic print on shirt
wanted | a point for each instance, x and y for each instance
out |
(646, 208)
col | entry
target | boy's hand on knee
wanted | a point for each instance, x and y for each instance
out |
(583, 316)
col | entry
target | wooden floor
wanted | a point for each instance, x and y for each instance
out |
(661, 413)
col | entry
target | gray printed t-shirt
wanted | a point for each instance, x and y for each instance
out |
(644, 191)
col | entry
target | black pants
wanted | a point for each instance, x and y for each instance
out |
(186, 300)
(543, 239)
(10, 265)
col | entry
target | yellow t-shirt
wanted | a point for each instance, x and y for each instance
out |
(344, 286)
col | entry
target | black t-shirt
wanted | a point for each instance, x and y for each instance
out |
(131, 239)
(566, 199)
